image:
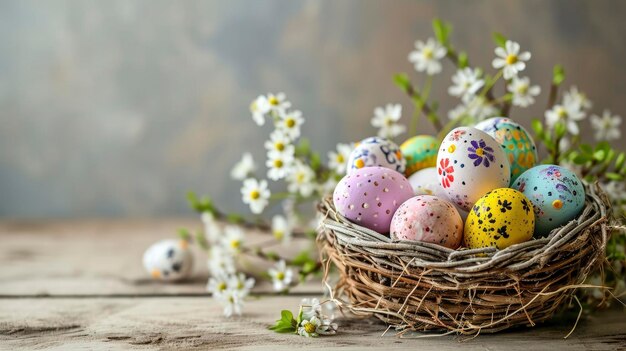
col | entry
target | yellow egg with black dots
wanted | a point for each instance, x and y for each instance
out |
(500, 218)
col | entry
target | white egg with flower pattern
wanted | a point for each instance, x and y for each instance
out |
(471, 163)
(426, 182)
(376, 152)
(168, 260)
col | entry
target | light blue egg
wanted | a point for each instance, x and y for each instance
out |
(557, 194)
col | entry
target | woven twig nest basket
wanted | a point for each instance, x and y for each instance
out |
(421, 286)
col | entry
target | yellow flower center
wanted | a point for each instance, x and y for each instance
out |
(290, 122)
(273, 101)
(279, 234)
(561, 113)
(300, 177)
(309, 328)
(235, 244)
(278, 163)
(279, 146)
(340, 158)
(511, 59)
(255, 194)
(359, 163)
(480, 151)
(523, 89)
(428, 53)
(388, 121)
(221, 286)
(280, 275)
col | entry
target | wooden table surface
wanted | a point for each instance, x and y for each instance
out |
(80, 285)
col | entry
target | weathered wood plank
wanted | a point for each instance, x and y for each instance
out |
(100, 257)
(196, 322)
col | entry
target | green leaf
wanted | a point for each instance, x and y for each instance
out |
(200, 205)
(463, 59)
(184, 234)
(599, 155)
(286, 315)
(299, 320)
(619, 161)
(587, 149)
(580, 159)
(558, 74)
(402, 81)
(559, 130)
(309, 267)
(201, 240)
(303, 148)
(316, 161)
(499, 39)
(235, 218)
(442, 31)
(613, 176)
(286, 323)
(273, 256)
(301, 258)
(537, 126)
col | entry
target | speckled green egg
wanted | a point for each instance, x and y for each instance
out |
(516, 142)
(501, 218)
(420, 152)
(557, 195)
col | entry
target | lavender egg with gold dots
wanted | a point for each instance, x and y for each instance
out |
(516, 142)
(469, 164)
(370, 196)
(557, 195)
(375, 151)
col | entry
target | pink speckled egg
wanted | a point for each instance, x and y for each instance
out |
(428, 219)
(370, 196)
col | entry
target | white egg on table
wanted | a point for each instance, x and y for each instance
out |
(168, 260)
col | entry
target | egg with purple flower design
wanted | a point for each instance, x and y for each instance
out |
(376, 152)
(471, 163)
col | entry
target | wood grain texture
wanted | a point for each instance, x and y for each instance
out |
(196, 323)
(99, 257)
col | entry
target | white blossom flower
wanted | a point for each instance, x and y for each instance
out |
(309, 327)
(211, 228)
(510, 59)
(220, 261)
(279, 165)
(281, 276)
(386, 120)
(311, 308)
(282, 229)
(569, 114)
(279, 143)
(480, 108)
(301, 179)
(290, 123)
(240, 283)
(523, 93)
(575, 97)
(244, 167)
(338, 160)
(255, 194)
(607, 126)
(458, 112)
(259, 108)
(232, 301)
(426, 56)
(233, 238)
(217, 284)
(467, 82)
(278, 103)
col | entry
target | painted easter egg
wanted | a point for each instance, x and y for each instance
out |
(370, 196)
(420, 152)
(516, 142)
(376, 151)
(168, 260)
(556, 193)
(469, 164)
(428, 219)
(426, 182)
(500, 218)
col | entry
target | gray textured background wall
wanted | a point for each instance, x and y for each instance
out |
(117, 108)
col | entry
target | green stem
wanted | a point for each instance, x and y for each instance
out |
(490, 84)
